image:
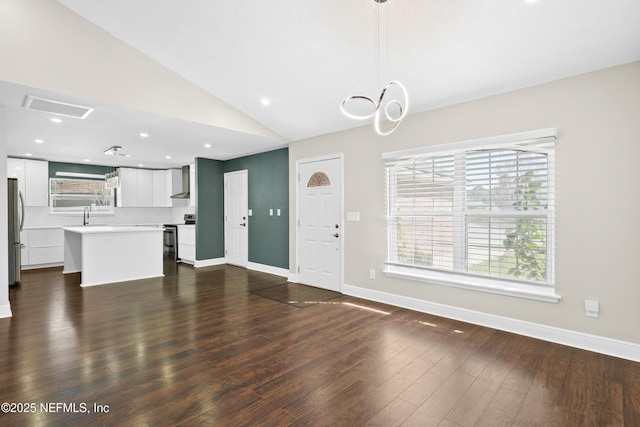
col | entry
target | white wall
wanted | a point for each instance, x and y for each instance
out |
(5, 309)
(47, 46)
(597, 206)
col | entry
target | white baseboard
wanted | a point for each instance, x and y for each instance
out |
(37, 266)
(263, 268)
(598, 344)
(292, 277)
(209, 262)
(5, 311)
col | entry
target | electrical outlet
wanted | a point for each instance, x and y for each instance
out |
(372, 273)
(592, 307)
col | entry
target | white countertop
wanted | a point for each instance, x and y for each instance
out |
(41, 227)
(93, 229)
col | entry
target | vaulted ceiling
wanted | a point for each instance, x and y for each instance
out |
(306, 56)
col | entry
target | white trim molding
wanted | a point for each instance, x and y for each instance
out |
(263, 268)
(209, 262)
(608, 346)
(521, 138)
(5, 311)
(269, 269)
(503, 287)
(292, 277)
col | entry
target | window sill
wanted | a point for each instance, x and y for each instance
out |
(500, 287)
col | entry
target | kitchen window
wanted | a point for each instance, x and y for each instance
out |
(475, 214)
(73, 195)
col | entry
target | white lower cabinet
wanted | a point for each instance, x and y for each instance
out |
(187, 243)
(43, 246)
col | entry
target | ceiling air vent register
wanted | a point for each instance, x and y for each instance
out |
(56, 107)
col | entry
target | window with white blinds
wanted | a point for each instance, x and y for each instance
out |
(479, 208)
(73, 195)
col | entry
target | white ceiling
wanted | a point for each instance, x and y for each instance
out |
(306, 56)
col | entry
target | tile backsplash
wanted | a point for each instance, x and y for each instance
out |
(41, 217)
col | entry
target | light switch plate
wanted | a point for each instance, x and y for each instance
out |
(250, 212)
(353, 216)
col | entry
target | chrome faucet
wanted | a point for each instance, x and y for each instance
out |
(85, 216)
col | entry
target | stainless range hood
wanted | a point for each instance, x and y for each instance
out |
(184, 194)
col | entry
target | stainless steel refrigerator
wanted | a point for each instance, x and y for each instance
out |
(16, 221)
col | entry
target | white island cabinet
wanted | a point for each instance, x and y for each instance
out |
(107, 254)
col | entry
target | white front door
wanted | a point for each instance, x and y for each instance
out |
(320, 224)
(236, 225)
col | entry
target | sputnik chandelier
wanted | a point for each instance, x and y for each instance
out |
(394, 109)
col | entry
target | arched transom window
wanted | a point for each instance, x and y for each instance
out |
(319, 179)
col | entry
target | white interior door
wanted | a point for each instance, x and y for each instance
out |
(236, 235)
(320, 225)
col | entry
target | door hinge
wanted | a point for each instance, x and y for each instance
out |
(298, 223)
(298, 269)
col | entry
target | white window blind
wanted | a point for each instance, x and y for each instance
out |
(479, 208)
(68, 195)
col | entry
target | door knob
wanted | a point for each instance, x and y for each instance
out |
(244, 224)
(336, 235)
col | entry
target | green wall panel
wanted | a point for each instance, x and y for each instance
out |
(268, 189)
(209, 209)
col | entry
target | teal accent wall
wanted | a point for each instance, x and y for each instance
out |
(78, 168)
(268, 175)
(209, 209)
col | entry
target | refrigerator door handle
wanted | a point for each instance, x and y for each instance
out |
(22, 211)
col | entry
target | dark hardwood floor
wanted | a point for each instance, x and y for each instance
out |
(227, 346)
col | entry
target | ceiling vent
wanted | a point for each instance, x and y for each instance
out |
(56, 107)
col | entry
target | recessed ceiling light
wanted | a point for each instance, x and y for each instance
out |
(28, 154)
(265, 101)
(143, 135)
(87, 160)
(140, 165)
(207, 145)
(167, 157)
(38, 141)
(55, 120)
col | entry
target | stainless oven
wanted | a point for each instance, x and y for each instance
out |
(171, 241)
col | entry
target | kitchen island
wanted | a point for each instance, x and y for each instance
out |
(111, 253)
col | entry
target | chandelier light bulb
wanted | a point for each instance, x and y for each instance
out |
(394, 109)
(382, 105)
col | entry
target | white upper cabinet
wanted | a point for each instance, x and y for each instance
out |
(16, 168)
(33, 180)
(149, 188)
(136, 188)
(37, 185)
(161, 185)
(128, 190)
(145, 187)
